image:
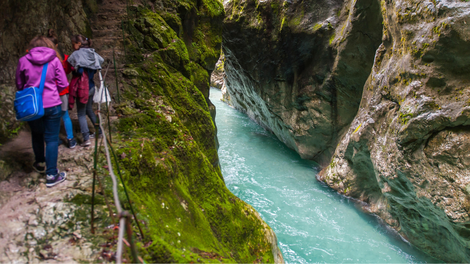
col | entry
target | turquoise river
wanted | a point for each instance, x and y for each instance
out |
(312, 222)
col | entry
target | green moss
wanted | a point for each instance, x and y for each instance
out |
(332, 164)
(300, 101)
(167, 148)
(274, 5)
(80, 199)
(357, 128)
(275, 8)
(90, 7)
(332, 38)
(316, 27)
(283, 22)
(214, 7)
(404, 118)
(295, 21)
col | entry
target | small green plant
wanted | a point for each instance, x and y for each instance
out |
(404, 118)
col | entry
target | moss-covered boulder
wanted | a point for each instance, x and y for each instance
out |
(167, 142)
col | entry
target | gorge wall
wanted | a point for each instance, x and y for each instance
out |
(163, 132)
(376, 92)
(298, 67)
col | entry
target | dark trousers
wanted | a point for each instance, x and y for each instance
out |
(46, 129)
(84, 110)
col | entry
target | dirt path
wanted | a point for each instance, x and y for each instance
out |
(53, 224)
(40, 223)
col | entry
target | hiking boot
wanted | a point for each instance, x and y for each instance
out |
(100, 135)
(52, 180)
(86, 143)
(39, 167)
(72, 143)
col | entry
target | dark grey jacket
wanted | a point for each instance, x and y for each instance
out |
(85, 58)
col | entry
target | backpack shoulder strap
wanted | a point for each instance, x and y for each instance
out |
(43, 76)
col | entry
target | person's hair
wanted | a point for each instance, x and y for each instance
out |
(42, 41)
(84, 41)
(52, 36)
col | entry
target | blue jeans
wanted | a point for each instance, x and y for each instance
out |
(46, 129)
(67, 124)
(84, 110)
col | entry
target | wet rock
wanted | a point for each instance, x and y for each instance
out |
(298, 73)
(413, 159)
(385, 109)
(217, 76)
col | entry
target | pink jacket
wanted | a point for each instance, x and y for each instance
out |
(29, 70)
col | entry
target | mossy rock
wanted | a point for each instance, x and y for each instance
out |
(167, 144)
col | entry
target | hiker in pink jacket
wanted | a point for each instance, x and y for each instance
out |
(45, 129)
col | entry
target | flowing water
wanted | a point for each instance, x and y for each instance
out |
(312, 222)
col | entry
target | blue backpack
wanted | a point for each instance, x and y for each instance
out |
(28, 102)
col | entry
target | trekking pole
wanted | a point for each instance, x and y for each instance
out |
(117, 84)
(125, 189)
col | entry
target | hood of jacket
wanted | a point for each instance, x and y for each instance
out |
(86, 58)
(40, 55)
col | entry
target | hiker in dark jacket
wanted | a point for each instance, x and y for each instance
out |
(45, 129)
(86, 62)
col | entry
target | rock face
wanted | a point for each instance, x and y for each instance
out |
(217, 76)
(162, 132)
(298, 67)
(168, 145)
(21, 21)
(403, 150)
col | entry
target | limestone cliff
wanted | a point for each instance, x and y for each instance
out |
(298, 67)
(378, 87)
(217, 76)
(168, 146)
(405, 152)
(163, 132)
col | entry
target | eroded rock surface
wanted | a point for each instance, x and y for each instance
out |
(48, 224)
(298, 67)
(405, 152)
(217, 76)
(398, 139)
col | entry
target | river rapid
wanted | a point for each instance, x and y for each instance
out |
(313, 223)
